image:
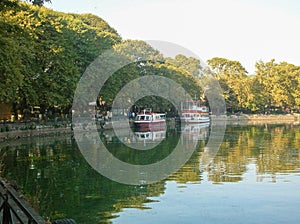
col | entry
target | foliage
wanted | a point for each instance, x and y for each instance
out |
(274, 87)
(44, 54)
(233, 79)
(39, 2)
(279, 85)
(191, 65)
(34, 2)
(146, 61)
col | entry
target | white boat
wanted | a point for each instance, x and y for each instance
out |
(194, 112)
(150, 119)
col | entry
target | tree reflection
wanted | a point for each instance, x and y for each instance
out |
(54, 176)
(274, 148)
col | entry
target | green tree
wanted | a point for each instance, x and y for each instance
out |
(145, 61)
(189, 64)
(46, 52)
(10, 65)
(279, 84)
(38, 2)
(234, 82)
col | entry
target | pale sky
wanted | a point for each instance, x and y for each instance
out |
(242, 30)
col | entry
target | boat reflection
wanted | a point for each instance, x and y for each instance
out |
(191, 133)
(195, 132)
(150, 134)
(136, 138)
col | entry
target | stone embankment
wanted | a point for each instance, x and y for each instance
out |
(17, 134)
(242, 119)
(255, 118)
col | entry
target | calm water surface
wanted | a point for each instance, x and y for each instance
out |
(255, 178)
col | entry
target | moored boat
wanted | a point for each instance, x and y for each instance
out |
(150, 119)
(193, 112)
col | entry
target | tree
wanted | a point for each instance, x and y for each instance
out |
(14, 3)
(45, 53)
(191, 65)
(279, 84)
(145, 61)
(233, 80)
(10, 65)
(38, 2)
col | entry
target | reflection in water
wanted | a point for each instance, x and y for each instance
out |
(150, 135)
(274, 149)
(195, 132)
(57, 180)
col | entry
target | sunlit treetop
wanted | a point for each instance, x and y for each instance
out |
(38, 2)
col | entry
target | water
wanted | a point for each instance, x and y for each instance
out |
(254, 178)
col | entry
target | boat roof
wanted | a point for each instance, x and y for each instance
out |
(150, 113)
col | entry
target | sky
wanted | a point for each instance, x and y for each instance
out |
(242, 30)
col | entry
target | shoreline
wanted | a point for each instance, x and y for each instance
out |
(258, 117)
(20, 134)
(232, 119)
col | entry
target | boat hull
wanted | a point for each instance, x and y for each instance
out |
(150, 119)
(150, 124)
(196, 121)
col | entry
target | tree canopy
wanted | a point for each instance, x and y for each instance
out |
(34, 2)
(273, 88)
(38, 2)
(44, 53)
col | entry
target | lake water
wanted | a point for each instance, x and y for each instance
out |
(254, 178)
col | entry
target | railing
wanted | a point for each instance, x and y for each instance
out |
(14, 210)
